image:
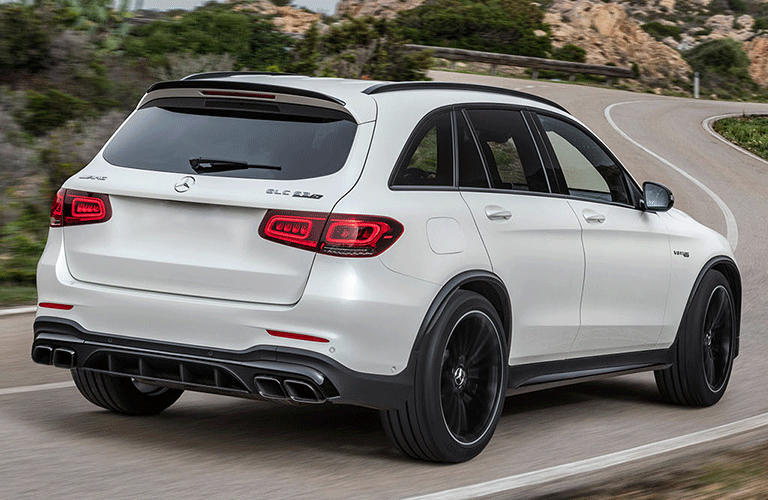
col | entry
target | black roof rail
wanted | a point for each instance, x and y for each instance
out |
(244, 86)
(381, 88)
(225, 74)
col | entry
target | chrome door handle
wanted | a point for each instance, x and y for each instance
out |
(495, 212)
(592, 216)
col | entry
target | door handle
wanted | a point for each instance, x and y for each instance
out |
(495, 212)
(592, 216)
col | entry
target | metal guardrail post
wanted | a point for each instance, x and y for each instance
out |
(696, 85)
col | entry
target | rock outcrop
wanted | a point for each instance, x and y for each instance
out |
(757, 51)
(287, 19)
(376, 8)
(609, 35)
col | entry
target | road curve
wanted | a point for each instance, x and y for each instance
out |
(55, 444)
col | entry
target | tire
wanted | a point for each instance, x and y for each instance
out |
(123, 394)
(460, 385)
(703, 352)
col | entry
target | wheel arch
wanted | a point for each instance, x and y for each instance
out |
(481, 282)
(728, 268)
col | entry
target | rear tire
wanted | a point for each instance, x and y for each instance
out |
(458, 395)
(123, 394)
(703, 352)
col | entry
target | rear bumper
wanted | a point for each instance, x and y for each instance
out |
(267, 373)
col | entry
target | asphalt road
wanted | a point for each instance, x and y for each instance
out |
(54, 444)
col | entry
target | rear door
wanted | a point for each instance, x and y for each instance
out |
(532, 238)
(190, 180)
(628, 257)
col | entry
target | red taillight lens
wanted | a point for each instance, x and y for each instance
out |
(359, 235)
(72, 208)
(57, 208)
(341, 235)
(298, 229)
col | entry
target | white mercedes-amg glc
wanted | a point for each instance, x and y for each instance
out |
(421, 248)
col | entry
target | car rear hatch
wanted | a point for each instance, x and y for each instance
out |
(189, 177)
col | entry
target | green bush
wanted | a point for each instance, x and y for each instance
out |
(254, 42)
(724, 68)
(24, 40)
(661, 31)
(502, 26)
(21, 244)
(51, 109)
(570, 52)
(360, 48)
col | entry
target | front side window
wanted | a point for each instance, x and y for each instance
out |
(508, 150)
(588, 170)
(428, 161)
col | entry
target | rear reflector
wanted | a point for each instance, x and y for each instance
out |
(297, 336)
(53, 305)
(342, 235)
(72, 208)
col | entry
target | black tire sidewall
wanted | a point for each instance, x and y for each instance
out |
(427, 386)
(699, 390)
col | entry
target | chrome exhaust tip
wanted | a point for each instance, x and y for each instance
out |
(302, 392)
(63, 358)
(269, 387)
(42, 354)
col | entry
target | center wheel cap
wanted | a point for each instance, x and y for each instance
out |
(459, 377)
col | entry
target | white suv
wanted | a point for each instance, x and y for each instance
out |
(421, 248)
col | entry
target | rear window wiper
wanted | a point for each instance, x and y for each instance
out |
(198, 165)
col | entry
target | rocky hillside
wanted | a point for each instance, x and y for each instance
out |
(287, 19)
(610, 35)
(650, 33)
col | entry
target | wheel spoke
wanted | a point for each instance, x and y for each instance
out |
(709, 366)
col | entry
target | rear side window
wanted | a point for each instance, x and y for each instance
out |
(508, 150)
(428, 161)
(304, 142)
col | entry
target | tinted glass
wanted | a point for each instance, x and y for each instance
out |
(302, 141)
(429, 159)
(588, 170)
(508, 149)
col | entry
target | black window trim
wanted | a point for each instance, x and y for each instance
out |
(634, 190)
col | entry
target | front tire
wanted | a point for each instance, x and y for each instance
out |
(460, 385)
(704, 348)
(123, 394)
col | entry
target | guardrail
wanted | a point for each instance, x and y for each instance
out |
(535, 63)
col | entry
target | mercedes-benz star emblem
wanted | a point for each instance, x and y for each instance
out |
(184, 184)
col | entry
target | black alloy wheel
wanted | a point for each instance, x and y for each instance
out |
(460, 384)
(470, 377)
(704, 349)
(718, 338)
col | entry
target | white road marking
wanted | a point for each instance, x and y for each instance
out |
(706, 124)
(35, 388)
(542, 476)
(732, 230)
(18, 310)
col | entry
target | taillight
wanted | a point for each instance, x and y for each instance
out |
(338, 234)
(57, 208)
(298, 229)
(72, 208)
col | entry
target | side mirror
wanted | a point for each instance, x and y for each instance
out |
(657, 197)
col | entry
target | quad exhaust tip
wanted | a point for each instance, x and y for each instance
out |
(61, 357)
(287, 390)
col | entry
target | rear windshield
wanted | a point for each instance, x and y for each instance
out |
(165, 134)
